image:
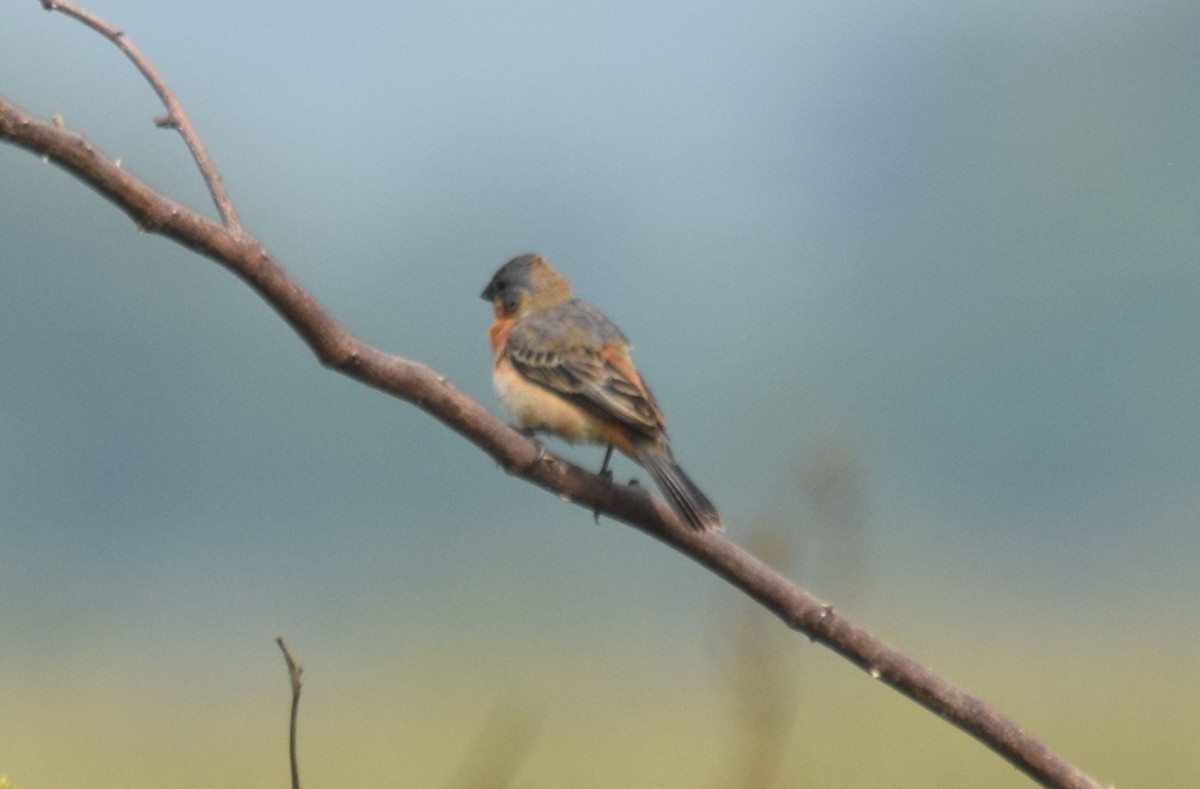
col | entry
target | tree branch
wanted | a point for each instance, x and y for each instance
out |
(420, 385)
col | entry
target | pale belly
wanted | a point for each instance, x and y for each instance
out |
(536, 408)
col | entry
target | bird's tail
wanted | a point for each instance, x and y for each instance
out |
(685, 498)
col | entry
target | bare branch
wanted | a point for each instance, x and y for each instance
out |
(295, 669)
(175, 118)
(518, 455)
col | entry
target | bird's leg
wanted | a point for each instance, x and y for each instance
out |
(606, 475)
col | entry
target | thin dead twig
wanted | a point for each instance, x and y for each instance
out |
(175, 118)
(295, 669)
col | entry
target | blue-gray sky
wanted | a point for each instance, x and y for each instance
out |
(957, 241)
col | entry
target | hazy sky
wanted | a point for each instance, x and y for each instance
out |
(955, 242)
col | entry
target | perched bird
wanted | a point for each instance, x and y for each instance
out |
(562, 367)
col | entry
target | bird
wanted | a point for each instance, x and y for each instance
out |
(562, 367)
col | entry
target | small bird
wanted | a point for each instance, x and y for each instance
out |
(562, 367)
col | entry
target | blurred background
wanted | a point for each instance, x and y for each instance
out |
(916, 283)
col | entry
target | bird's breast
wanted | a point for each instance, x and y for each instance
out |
(534, 407)
(498, 336)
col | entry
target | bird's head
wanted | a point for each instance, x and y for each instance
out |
(524, 284)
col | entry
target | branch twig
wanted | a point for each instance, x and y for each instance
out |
(175, 118)
(418, 384)
(295, 669)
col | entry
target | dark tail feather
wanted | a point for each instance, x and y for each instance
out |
(686, 499)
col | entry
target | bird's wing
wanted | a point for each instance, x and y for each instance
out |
(577, 352)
